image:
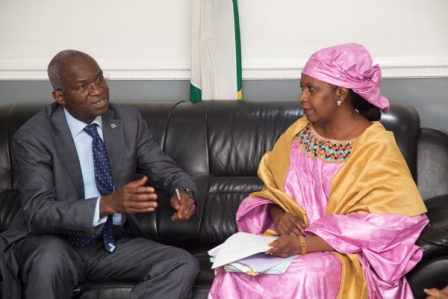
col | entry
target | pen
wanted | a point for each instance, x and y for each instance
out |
(177, 193)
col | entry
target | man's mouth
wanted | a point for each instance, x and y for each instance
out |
(100, 103)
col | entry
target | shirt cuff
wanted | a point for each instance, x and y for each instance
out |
(96, 217)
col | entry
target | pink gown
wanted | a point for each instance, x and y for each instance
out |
(385, 244)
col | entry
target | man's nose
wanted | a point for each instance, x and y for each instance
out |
(94, 88)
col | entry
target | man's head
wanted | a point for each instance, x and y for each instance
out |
(79, 85)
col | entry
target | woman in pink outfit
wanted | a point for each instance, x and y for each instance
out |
(337, 191)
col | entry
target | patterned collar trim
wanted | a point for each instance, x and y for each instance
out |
(314, 146)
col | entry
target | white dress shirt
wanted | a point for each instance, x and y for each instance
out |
(83, 144)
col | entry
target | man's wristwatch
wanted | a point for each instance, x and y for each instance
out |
(189, 192)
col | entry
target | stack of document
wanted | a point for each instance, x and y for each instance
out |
(244, 252)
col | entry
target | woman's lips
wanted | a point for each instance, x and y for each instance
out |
(306, 110)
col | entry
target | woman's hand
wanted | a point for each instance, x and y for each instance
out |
(286, 223)
(285, 246)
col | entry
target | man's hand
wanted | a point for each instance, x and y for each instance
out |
(286, 223)
(436, 294)
(184, 206)
(133, 197)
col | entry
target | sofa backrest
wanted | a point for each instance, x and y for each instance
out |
(220, 143)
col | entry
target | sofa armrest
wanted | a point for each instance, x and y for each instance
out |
(434, 238)
(431, 274)
(432, 270)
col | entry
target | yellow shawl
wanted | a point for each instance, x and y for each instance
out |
(375, 179)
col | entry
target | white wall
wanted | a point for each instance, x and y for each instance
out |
(150, 39)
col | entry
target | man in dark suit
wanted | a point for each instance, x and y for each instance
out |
(58, 238)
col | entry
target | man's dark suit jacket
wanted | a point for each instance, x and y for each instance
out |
(50, 181)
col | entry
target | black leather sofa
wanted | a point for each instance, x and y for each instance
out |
(220, 143)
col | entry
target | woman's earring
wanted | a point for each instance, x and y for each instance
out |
(339, 103)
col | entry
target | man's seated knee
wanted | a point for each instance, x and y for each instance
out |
(50, 252)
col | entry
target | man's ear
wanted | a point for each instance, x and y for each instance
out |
(59, 97)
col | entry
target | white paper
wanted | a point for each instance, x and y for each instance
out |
(214, 252)
(261, 262)
(240, 245)
(277, 270)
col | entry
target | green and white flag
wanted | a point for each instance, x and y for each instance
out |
(216, 51)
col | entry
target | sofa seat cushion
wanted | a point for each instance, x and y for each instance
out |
(111, 289)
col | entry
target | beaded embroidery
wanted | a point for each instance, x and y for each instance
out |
(327, 150)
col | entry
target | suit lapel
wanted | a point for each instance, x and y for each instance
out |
(113, 136)
(67, 150)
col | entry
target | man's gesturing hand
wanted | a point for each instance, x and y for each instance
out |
(133, 197)
(184, 206)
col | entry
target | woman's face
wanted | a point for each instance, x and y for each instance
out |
(318, 100)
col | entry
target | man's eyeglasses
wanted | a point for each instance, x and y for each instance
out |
(86, 88)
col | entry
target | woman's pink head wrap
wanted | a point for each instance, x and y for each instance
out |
(348, 66)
